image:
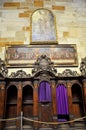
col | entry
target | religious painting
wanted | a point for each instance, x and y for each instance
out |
(43, 26)
(61, 55)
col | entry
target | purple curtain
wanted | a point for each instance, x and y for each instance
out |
(44, 92)
(62, 100)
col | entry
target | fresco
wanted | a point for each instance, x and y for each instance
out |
(43, 26)
(61, 55)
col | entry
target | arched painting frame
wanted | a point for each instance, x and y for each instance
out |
(43, 26)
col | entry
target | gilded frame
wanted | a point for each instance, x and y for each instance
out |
(25, 56)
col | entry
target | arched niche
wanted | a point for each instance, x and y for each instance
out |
(11, 102)
(77, 100)
(43, 25)
(62, 103)
(27, 100)
(45, 103)
(44, 92)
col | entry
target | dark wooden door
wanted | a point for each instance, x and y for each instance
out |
(78, 109)
(77, 100)
(45, 114)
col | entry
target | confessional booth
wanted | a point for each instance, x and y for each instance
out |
(45, 96)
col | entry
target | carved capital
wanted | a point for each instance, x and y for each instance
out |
(53, 83)
(35, 84)
(3, 69)
(69, 84)
(84, 83)
(19, 85)
(83, 66)
(2, 85)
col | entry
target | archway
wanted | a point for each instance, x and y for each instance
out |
(62, 103)
(11, 105)
(27, 103)
(45, 103)
(11, 102)
(44, 92)
(77, 100)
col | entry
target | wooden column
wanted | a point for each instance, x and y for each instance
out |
(54, 97)
(35, 101)
(53, 85)
(69, 91)
(2, 102)
(84, 95)
(19, 102)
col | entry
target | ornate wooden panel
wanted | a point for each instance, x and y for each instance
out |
(45, 114)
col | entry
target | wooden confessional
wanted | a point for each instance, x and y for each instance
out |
(39, 96)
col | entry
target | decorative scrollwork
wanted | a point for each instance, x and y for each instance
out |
(44, 63)
(19, 74)
(3, 68)
(68, 73)
(83, 66)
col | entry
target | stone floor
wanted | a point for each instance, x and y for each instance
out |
(77, 126)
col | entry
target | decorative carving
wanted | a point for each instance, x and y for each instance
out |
(83, 67)
(19, 74)
(3, 68)
(44, 63)
(68, 73)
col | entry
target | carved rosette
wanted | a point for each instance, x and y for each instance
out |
(44, 63)
(19, 74)
(68, 73)
(3, 69)
(83, 67)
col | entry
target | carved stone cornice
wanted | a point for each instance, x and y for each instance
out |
(83, 66)
(68, 73)
(43, 64)
(19, 74)
(3, 69)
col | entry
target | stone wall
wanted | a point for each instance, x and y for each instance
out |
(15, 26)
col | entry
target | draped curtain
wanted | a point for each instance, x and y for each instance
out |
(44, 92)
(62, 100)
